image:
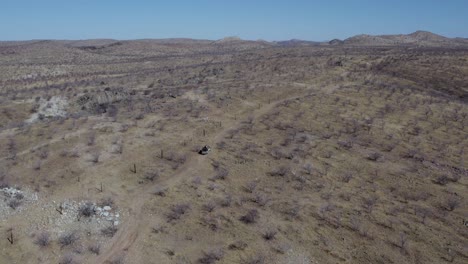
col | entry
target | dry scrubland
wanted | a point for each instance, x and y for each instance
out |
(320, 153)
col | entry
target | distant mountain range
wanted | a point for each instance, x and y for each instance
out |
(418, 38)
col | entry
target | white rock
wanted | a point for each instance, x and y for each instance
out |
(107, 208)
(116, 223)
(105, 214)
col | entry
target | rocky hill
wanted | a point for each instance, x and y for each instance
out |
(420, 38)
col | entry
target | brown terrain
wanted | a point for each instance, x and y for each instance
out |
(348, 151)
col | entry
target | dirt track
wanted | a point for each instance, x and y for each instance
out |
(131, 228)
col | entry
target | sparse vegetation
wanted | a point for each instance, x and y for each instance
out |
(310, 144)
(42, 240)
(68, 239)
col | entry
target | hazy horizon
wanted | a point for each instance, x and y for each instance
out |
(207, 19)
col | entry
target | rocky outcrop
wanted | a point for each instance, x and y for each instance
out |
(98, 102)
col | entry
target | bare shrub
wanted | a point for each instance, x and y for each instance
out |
(260, 198)
(151, 175)
(250, 186)
(402, 242)
(94, 157)
(281, 171)
(91, 138)
(226, 201)
(373, 156)
(309, 168)
(345, 144)
(293, 211)
(67, 259)
(368, 203)
(117, 260)
(86, 210)
(73, 153)
(452, 203)
(42, 240)
(281, 248)
(160, 191)
(221, 174)
(209, 207)
(254, 259)
(196, 181)
(212, 222)
(14, 203)
(177, 211)
(346, 177)
(211, 256)
(250, 217)
(43, 154)
(269, 234)
(37, 165)
(117, 148)
(422, 212)
(237, 245)
(109, 231)
(441, 180)
(95, 249)
(68, 239)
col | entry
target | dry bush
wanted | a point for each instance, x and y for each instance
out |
(451, 203)
(14, 203)
(151, 175)
(308, 168)
(86, 210)
(253, 259)
(42, 240)
(374, 156)
(260, 198)
(117, 260)
(91, 138)
(37, 165)
(160, 191)
(441, 180)
(94, 157)
(368, 203)
(67, 259)
(177, 211)
(226, 201)
(293, 211)
(221, 174)
(237, 245)
(117, 148)
(250, 217)
(209, 206)
(107, 201)
(68, 239)
(250, 186)
(213, 223)
(95, 249)
(211, 256)
(109, 231)
(43, 154)
(281, 171)
(423, 213)
(402, 243)
(346, 177)
(269, 234)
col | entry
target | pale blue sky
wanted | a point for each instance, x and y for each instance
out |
(215, 19)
